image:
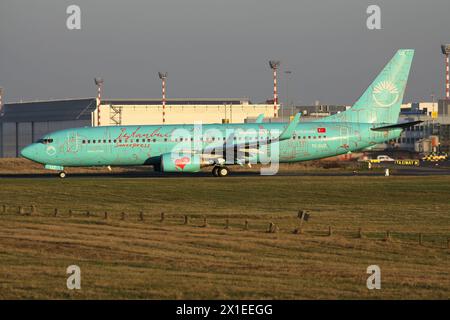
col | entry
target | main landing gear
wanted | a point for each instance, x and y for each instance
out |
(220, 171)
(62, 174)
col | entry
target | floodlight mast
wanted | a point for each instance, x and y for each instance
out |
(274, 65)
(446, 51)
(99, 84)
(163, 77)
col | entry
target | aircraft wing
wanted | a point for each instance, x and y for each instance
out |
(231, 146)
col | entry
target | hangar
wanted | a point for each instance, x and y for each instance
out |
(24, 122)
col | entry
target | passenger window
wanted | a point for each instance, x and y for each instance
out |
(84, 141)
(154, 140)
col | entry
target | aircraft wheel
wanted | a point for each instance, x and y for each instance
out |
(215, 171)
(62, 174)
(223, 171)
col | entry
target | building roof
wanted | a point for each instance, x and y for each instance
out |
(80, 109)
(193, 101)
(55, 110)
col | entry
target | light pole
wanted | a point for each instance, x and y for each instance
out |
(163, 77)
(274, 65)
(288, 74)
(446, 51)
(99, 84)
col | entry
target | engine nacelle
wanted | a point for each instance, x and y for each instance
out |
(184, 163)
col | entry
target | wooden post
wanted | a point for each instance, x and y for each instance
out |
(227, 224)
(20, 210)
(420, 239)
(33, 209)
(448, 243)
(186, 220)
(360, 233)
(205, 222)
(105, 215)
(246, 225)
(162, 217)
(388, 235)
(271, 227)
(141, 216)
(88, 213)
(4, 209)
(55, 212)
(70, 213)
(330, 231)
(123, 216)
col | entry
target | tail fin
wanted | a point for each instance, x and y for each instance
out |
(381, 102)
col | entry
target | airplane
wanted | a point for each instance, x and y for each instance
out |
(370, 121)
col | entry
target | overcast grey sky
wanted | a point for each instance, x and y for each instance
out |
(214, 48)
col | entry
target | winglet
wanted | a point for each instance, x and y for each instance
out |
(260, 118)
(287, 133)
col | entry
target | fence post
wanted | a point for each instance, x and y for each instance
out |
(105, 215)
(55, 212)
(420, 239)
(70, 213)
(388, 236)
(4, 209)
(227, 224)
(330, 231)
(246, 225)
(20, 210)
(123, 216)
(33, 209)
(88, 213)
(162, 217)
(141, 216)
(448, 243)
(186, 219)
(205, 222)
(360, 233)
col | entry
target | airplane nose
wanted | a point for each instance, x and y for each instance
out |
(28, 152)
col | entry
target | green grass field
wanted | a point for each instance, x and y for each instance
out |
(159, 260)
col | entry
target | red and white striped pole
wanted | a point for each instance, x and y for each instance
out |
(447, 79)
(163, 76)
(446, 51)
(274, 66)
(275, 94)
(99, 83)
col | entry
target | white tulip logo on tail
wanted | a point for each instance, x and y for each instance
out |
(385, 94)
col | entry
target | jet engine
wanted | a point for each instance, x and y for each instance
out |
(183, 163)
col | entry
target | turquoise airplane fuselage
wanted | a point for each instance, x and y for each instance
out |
(144, 145)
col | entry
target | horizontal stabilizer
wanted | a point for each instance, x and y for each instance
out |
(397, 126)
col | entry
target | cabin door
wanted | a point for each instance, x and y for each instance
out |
(72, 143)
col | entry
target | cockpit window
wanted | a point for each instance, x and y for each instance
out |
(46, 140)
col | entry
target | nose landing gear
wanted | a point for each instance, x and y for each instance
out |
(62, 174)
(220, 171)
